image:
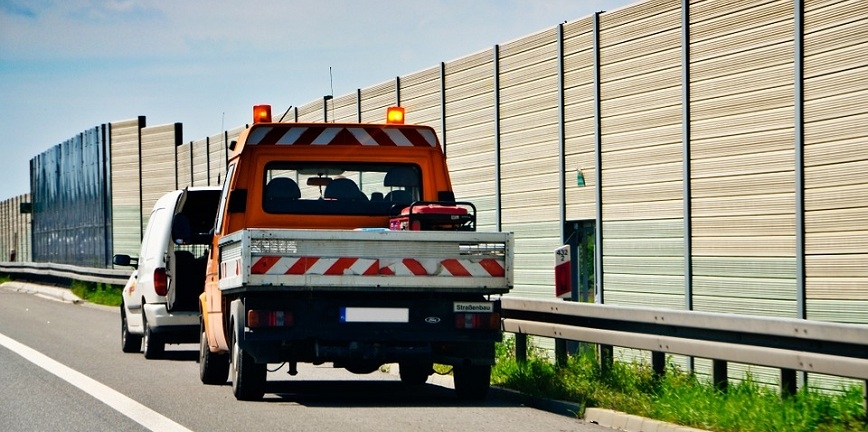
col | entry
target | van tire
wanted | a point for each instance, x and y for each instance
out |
(213, 367)
(153, 345)
(130, 343)
(248, 377)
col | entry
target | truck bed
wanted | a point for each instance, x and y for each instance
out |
(366, 260)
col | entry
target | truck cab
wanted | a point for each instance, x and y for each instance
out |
(160, 299)
(344, 243)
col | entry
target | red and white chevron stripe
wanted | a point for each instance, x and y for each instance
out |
(364, 135)
(351, 266)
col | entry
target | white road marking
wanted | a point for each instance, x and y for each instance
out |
(114, 399)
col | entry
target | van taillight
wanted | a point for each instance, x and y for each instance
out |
(269, 318)
(161, 282)
(485, 321)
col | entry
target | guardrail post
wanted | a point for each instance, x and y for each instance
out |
(606, 357)
(788, 382)
(561, 352)
(521, 348)
(865, 397)
(719, 374)
(658, 363)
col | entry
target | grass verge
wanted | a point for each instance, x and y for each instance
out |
(97, 293)
(678, 396)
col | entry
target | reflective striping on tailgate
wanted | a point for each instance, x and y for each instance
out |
(353, 266)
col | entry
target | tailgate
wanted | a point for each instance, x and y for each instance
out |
(471, 262)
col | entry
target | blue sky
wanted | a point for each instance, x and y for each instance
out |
(69, 65)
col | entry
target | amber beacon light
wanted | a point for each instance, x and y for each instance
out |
(395, 115)
(261, 113)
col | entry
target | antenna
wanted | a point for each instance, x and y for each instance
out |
(284, 114)
(332, 89)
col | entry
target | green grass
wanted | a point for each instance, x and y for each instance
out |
(97, 293)
(678, 396)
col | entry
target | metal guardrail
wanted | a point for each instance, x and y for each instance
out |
(789, 344)
(63, 273)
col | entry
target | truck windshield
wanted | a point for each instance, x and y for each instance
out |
(339, 188)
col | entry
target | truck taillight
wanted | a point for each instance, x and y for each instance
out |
(261, 114)
(269, 318)
(484, 321)
(395, 115)
(161, 282)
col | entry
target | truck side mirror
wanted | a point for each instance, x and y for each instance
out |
(237, 201)
(125, 260)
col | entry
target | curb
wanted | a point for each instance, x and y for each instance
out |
(603, 417)
(54, 293)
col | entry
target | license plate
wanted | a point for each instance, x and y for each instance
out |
(383, 315)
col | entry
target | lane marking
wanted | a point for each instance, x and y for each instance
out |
(114, 399)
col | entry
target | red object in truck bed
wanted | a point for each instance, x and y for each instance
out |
(433, 217)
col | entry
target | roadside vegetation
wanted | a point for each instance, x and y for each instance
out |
(678, 396)
(97, 293)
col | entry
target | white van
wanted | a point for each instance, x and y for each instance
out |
(161, 298)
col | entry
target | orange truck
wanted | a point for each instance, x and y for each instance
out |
(344, 244)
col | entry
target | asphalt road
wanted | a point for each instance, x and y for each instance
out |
(61, 368)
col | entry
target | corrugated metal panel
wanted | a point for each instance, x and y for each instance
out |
(579, 119)
(642, 155)
(420, 95)
(200, 162)
(529, 157)
(749, 296)
(376, 99)
(742, 163)
(836, 161)
(845, 311)
(158, 165)
(470, 141)
(310, 112)
(126, 207)
(344, 109)
(183, 165)
(535, 244)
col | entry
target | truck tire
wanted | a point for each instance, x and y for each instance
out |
(213, 367)
(248, 377)
(472, 382)
(152, 343)
(415, 372)
(130, 343)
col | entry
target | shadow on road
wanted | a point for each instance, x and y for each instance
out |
(368, 394)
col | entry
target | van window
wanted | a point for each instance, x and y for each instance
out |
(339, 188)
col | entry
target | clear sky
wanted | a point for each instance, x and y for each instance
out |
(69, 65)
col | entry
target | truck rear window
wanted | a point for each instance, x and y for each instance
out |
(337, 188)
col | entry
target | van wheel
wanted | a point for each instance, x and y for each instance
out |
(152, 343)
(248, 377)
(472, 382)
(213, 367)
(130, 343)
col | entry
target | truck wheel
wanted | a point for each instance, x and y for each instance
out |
(130, 343)
(152, 343)
(415, 372)
(472, 382)
(248, 377)
(213, 367)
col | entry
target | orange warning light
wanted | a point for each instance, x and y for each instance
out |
(395, 115)
(261, 114)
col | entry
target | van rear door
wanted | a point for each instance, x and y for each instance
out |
(191, 236)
